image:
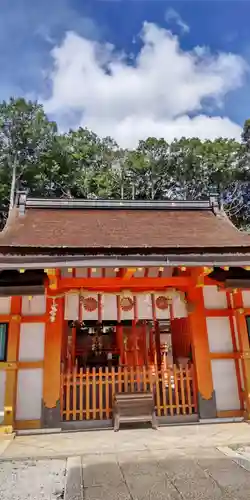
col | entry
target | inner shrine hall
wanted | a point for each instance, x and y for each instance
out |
(99, 297)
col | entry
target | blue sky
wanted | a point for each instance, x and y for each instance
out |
(131, 68)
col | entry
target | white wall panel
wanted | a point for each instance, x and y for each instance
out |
(167, 272)
(219, 334)
(153, 272)
(65, 273)
(225, 384)
(161, 313)
(127, 315)
(144, 306)
(5, 303)
(214, 299)
(29, 394)
(71, 309)
(109, 307)
(96, 272)
(81, 272)
(139, 273)
(89, 315)
(2, 393)
(246, 298)
(33, 305)
(110, 272)
(179, 308)
(32, 338)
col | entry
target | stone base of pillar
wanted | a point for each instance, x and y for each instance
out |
(51, 417)
(207, 407)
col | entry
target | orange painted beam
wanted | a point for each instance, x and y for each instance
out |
(27, 424)
(198, 276)
(120, 283)
(29, 365)
(218, 313)
(129, 272)
(225, 355)
(52, 357)
(209, 281)
(12, 357)
(73, 347)
(5, 318)
(230, 413)
(235, 348)
(41, 318)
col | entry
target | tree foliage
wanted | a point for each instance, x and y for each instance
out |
(81, 164)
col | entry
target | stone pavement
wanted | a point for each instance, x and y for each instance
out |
(158, 475)
(135, 439)
(178, 463)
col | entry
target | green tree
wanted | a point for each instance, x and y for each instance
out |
(25, 135)
(35, 157)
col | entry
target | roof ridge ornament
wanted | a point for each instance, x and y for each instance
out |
(87, 204)
(215, 202)
(21, 200)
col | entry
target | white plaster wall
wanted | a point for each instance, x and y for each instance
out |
(219, 334)
(110, 272)
(81, 272)
(109, 307)
(29, 394)
(153, 272)
(214, 299)
(144, 306)
(31, 346)
(225, 384)
(167, 272)
(5, 303)
(246, 298)
(96, 272)
(34, 305)
(139, 273)
(179, 308)
(127, 315)
(65, 273)
(161, 313)
(71, 308)
(90, 315)
(2, 393)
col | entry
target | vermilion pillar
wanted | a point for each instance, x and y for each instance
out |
(244, 347)
(201, 354)
(52, 366)
(12, 358)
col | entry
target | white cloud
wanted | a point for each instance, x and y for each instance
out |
(153, 96)
(172, 16)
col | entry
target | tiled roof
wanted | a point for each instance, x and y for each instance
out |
(121, 228)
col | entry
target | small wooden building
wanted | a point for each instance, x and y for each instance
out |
(99, 297)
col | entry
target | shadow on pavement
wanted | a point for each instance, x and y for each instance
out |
(159, 475)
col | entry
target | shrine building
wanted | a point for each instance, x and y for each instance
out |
(106, 296)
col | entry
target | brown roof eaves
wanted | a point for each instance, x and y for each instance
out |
(115, 231)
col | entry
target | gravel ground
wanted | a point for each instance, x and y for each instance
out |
(32, 480)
